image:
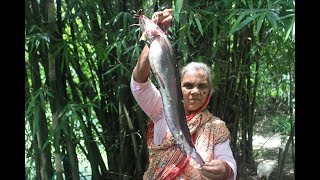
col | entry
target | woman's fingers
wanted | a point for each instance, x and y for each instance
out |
(213, 170)
(167, 12)
(163, 18)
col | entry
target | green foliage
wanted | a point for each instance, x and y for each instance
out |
(274, 124)
(99, 48)
(70, 115)
(36, 39)
(177, 9)
(281, 124)
(36, 102)
(269, 12)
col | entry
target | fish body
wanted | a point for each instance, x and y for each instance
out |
(165, 69)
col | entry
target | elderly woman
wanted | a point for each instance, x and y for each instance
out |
(209, 134)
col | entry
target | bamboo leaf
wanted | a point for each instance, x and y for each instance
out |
(190, 39)
(235, 25)
(286, 16)
(198, 24)
(206, 12)
(289, 30)
(191, 17)
(29, 107)
(110, 49)
(244, 2)
(259, 24)
(42, 101)
(129, 49)
(63, 111)
(179, 4)
(45, 145)
(35, 120)
(112, 69)
(63, 121)
(125, 21)
(250, 3)
(246, 22)
(259, 3)
(177, 11)
(117, 17)
(231, 15)
(273, 19)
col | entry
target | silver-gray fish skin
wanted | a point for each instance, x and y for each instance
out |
(165, 69)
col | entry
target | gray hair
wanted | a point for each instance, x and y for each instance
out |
(198, 66)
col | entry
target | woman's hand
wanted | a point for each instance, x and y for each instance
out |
(215, 169)
(141, 72)
(163, 19)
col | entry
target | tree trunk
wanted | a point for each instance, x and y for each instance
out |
(93, 155)
(55, 104)
(41, 125)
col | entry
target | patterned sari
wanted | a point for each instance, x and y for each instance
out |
(166, 161)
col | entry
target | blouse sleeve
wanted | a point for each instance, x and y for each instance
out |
(222, 151)
(148, 98)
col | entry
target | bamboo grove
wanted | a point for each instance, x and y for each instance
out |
(79, 56)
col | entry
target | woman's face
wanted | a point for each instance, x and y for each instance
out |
(195, 90)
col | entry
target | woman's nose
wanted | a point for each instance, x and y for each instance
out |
(195, 91)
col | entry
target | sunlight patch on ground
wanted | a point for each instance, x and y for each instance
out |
(266, 149)
(270, 143)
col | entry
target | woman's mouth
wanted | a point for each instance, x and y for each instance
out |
(193, 100)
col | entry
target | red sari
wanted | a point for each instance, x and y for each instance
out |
(168, 162)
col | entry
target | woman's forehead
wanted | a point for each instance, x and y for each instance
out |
(195, 75)
(193, 72)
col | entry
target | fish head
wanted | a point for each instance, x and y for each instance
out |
(149, 29)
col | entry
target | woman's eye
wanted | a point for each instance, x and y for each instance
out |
(188, 86)
(202, 86)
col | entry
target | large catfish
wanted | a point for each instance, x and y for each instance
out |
(165, 69)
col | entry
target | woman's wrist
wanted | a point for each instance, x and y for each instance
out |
(228, 170)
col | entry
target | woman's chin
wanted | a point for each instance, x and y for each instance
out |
(192, 108)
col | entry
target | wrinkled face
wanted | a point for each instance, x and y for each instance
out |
(195, 90)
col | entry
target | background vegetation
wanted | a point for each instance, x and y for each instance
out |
(79, 55)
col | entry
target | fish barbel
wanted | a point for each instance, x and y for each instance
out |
(165, 69)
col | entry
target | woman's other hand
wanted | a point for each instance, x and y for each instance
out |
(215, 169)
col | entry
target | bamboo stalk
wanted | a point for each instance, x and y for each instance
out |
(134, 142)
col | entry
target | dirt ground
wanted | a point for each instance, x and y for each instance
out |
(267, 149)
